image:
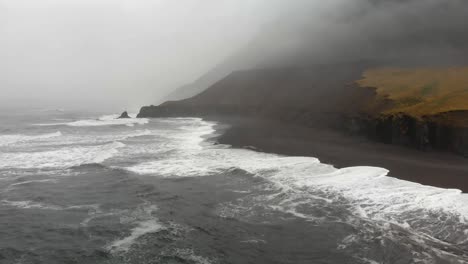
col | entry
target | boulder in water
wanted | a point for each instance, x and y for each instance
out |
(124, 115)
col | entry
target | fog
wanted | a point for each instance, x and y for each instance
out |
(416, 32)
(109, 54)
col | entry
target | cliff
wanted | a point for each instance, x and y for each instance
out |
(312, 96)
(426, 108)
(348, 97)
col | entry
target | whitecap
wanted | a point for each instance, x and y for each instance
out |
(17, 138)
(32, 181)
(362, 184)
(174, 168)
(30, 205)
(300, 185)
(59, 158)
(107, 120)
(144, 223)
(189, 255)
(93, 208)
(143, 228)
(254, 241)
(86, 139)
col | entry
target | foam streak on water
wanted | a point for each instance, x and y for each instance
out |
(6, 140)
(370, 186)
(60, 158)
(108, 120)
(144, 223)
(385, 213)
(124, 244)
(435, 217)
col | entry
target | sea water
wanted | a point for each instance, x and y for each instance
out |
(89, 188)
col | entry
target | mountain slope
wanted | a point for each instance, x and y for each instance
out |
(321, 69)
(314, 95)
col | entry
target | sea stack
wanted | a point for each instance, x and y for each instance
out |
(124, 115)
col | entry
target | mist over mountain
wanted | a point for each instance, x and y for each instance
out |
(302, 131)
(427, 31)
(304, 68)
(113, 55)
(397, 32)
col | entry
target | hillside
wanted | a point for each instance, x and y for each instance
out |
(420, 92)
(314, 96)
(418, 107)
(424, 107)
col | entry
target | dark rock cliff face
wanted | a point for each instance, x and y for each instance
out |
(318, 96)
(124, 115)
(429, 133)
(312, 96)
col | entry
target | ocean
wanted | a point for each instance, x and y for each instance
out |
(90, 188)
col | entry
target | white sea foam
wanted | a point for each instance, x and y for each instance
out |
(186, 142)
(145, 227)
(189, 255)
(32, 181)
(30, 205)
(382, 195)
(145, 223)
(110, 120)
(86, 139)
(44, 206)
(365, 193)
(59, 158)
(107, 120)
(124, 136)
(254, 241)
(59, 151)
(174, 167)
(13, 139)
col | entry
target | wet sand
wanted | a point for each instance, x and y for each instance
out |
(439, 169)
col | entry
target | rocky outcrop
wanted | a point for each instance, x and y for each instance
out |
(313, 96)
(124, 115)
(428, 133)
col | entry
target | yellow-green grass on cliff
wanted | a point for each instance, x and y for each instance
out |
(420, 91)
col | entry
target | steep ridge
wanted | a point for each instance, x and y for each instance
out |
(426, 108)
(325, 96)
(312, 68)
(304, 34)
(313, 96)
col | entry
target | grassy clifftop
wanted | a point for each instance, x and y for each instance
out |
(421, 91)
(422, 108)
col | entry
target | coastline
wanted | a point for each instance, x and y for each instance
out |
(440, 169)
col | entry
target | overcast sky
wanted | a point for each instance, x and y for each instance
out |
(116, 53)
(122, 54)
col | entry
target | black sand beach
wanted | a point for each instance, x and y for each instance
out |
(159, 191)
(434, 168)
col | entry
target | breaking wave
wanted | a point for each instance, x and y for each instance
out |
(428, 222)
(43, 206)
(6, 140)
(30, 205)
(59, 158)
(435, 219)
(107, 120)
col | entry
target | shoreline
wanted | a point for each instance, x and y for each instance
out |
(439, 169)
